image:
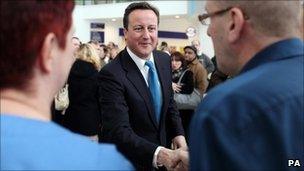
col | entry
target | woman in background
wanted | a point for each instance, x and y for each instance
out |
(186, 85)
(83, 114)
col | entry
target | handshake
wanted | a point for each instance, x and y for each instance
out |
(177, 158)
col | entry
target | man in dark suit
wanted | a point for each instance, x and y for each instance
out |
(254, 121)
(138, 111)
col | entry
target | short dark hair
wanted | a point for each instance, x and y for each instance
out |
(96, 42)
(136, 6)
(177, 56)
(192, 48)
(164, 44)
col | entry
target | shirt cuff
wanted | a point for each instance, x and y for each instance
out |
(154, 162)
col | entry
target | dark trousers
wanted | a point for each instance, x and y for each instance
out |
(186, 116)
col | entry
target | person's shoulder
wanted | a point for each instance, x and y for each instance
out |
(199, 66)
(78, 147)
(116, 64)
(252, 87)
(231, 91)
(161, 54)
(50, 146)
(83, 68)
(204, 56)
(163, 58)
(188, 72)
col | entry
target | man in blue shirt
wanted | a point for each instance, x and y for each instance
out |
(255, 120)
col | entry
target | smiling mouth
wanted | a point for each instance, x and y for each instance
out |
(145, 44)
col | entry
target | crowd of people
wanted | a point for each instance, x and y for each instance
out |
(91, 106)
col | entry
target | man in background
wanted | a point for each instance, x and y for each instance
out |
(76, 43)
(255, 120)
(204, 59)
(198, 70)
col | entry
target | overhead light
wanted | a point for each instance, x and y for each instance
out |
(177, 16)
(113, 19)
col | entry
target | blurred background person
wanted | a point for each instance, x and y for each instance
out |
(76, 43)
(182, 79)
(164, 47)
(95, 44)
(32, 72)
(199, 72)
(204, 59)
(113, 52)
(172, 49)
(111, 45)
(83, 114)
(217, 77)
(61, 101)
(104, 59)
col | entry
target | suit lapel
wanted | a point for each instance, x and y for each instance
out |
(161, 69)
(135, 77)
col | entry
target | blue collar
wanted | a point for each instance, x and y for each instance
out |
(287, 48)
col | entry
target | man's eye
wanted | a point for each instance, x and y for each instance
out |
(137, 29)
(151, 28)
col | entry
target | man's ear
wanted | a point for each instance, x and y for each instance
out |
(48, 52)
(125, 31)
(236, 24)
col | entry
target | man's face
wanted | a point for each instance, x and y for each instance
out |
(141, 36)
(196, 44)
(216, 30)
(101, 52)
(189, 54)
(96, 47)
(76, 43)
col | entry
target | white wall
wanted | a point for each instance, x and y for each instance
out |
(84, 15)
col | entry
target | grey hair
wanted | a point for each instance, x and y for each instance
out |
(272, 18)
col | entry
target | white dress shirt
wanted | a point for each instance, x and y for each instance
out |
(140, 63)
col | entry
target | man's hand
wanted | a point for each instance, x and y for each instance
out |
(183, 165)
(179, 142)
(168, 158)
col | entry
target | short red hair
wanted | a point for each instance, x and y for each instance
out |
(24, 26)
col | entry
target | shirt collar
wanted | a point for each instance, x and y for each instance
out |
(139, 61)
(194, 61)
(287, 48)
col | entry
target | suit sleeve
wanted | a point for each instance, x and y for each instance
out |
(116, 125)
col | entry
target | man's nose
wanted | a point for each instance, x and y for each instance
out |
(146, 33)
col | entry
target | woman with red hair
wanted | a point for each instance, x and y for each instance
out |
(36, 57)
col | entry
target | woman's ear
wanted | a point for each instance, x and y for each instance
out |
(48, 52)
(236, 24)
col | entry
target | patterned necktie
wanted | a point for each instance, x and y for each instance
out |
(154, 89)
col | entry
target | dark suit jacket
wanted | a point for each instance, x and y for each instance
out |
(127, 109)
